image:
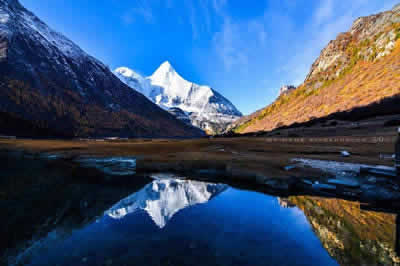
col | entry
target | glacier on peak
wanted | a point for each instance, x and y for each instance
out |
(205, 107)
(163, 198)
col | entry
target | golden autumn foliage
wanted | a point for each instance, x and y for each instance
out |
(361, 84)
(351, 235)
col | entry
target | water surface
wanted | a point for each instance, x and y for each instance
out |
(183, 222)
(179, 222)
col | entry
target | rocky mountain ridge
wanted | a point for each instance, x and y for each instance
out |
(358, 68)
(203, 106)
(369, 39)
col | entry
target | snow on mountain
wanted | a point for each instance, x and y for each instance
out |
(206, 108)
(180, 114)
(163, 198)
(135, 80)
(13, 16)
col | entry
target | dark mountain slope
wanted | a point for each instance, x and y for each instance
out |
(48, 81)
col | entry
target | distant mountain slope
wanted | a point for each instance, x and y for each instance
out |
(360, 67)
(49, 83)
(206, 108)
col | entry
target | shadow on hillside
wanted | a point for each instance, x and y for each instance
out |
(387, 107)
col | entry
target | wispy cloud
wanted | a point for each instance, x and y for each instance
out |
(142, 10)
(229, 47)
(264, 51)
(329, 19)
(236, 42)
(203, 15)
(192, 19)
(324, 12)
(218, 6)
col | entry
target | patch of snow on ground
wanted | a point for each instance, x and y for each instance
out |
(334, 167)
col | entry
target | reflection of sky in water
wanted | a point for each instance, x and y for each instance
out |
(226, 227)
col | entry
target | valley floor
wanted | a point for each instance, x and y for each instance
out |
(240, 158)
(39, 170)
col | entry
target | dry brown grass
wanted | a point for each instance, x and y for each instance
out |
(366, 83)
(239, 156)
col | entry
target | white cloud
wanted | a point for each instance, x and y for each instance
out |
(228, 46)
(204, 15)
(192, 16)
(141, 10)
(268, 50)
(236, 42)
(218, 6)
(257, 27)
(324, 12)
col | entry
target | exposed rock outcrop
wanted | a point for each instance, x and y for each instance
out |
(286, 89)
(368, 39)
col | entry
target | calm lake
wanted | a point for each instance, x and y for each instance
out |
(182, 222)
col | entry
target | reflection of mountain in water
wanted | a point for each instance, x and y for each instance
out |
(161, 199)
(351, 235)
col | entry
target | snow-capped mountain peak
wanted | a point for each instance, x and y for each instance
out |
(206, 108)
(164, 73)
(174, 85)
(134, 80)
(165, 67)
(127, 72)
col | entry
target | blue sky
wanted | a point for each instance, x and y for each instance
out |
(246, 50)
